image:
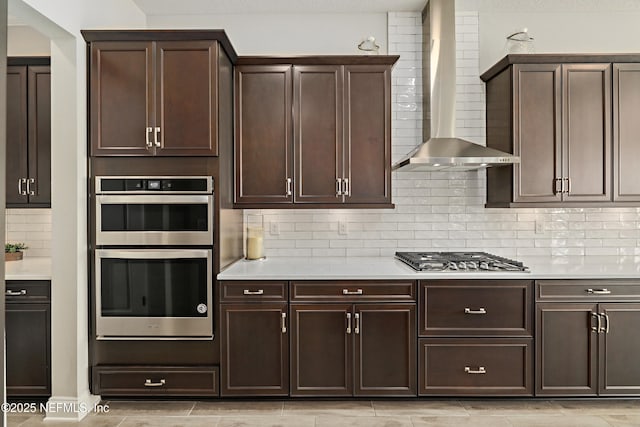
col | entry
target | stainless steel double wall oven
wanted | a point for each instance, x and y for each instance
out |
(153, 257)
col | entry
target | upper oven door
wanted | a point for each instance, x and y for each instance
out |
(156, 219)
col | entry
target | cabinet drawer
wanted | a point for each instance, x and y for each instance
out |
(475, 366)
(387, 291)
(476, 307)
(155, 381)
(587, 290)
(253, 291)
(28, 291)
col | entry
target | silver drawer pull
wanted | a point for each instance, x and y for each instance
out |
(481, 310)
(481, 370)
(149, 383)
(603, 291)
(283, 325)
(19, 293)
(348, 292)
(258, 292)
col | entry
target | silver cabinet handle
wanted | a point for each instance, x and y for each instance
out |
(356, 330)
(557, 186)
(248, 292)
(149, 383)
(20, 190)
(347, 187)
(605, 328)
(596, 328)
(19, 293)
(30, 181)
(348, 323)
(348, 292)
(288, 189)
(156, 137)
(568, 185)
(481, 310)
(480, 370)
(603, 291)
(339, 187)
(148, 133)
(283, 325)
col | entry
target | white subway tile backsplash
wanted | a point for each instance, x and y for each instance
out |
(32, 227)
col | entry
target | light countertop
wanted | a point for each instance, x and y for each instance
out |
(388, 268)
(29, 268)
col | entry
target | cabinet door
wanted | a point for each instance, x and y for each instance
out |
(255, 350)
(16, 134)
(39, 135)
(586, 117)
(566, 349)
(321, 350)
(263, 134)
(121, 100)
(367, 133)
(317, 133)
(186, 97)
(626, 128)
(619, 349)
(536, 132)
(385, 349)
(28, 349)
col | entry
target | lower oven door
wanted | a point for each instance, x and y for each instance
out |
(154, 294)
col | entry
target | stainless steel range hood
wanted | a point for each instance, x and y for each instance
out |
(453, 154)
(443, 150)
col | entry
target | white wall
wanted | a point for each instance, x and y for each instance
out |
(23, 40)
(558, 26)
(288, 34)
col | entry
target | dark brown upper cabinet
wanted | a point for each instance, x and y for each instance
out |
(155, 93)
(28, 157)
(626, 128)
(555, 112)
(313, 132)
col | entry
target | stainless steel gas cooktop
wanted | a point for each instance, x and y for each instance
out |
(459, 261)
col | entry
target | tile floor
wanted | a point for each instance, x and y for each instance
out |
(377, 413)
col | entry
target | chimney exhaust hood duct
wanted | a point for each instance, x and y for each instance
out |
(443, 151)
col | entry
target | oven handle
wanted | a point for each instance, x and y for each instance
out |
(154, 253)
(145, 199)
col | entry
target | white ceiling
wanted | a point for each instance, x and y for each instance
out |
(189, 7)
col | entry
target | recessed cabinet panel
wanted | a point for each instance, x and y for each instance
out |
(626, 128)
(263, 134)
(537, 131)
(16, 133)
(317, 121)
(587, 131)
(367, 134)
(619, 349)
(121, 75)
(186, 96)
(566, 349)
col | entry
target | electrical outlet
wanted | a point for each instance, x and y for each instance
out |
(343, 228)
(539, 227)
(274, 228)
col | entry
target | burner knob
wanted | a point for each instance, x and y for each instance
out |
(484, 266)
(472, 265)
(462, 265)
(452, 266)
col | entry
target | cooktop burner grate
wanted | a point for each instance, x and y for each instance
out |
(459, 261)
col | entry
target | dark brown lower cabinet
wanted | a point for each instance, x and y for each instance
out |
(28, 339)
(353, 349)
(588, 349)
(155, 380)
(476, 366)
(255, 349)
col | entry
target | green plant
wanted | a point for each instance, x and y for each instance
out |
(14, 247)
